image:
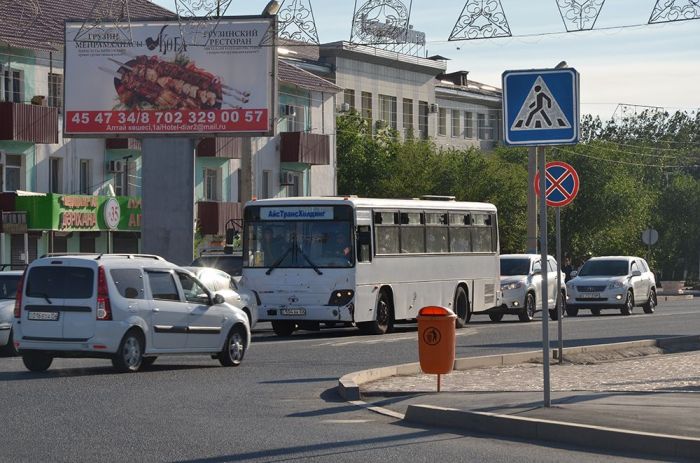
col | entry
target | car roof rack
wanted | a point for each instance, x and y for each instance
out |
(99, 256)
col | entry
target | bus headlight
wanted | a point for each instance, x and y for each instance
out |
(341, 297)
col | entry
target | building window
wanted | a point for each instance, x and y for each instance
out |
(387, 110)
(349, 98)
(493, 126)
(11, 172)
(468, 124)
(85, 183)
(55, 175)
(211, 185)
(481, 126)
(423, 112)
(11, 85)
(56, 91)
(442, 122)
(367, 107)
(266, 185)
(408, 117)
(293, 182)
(455, 123)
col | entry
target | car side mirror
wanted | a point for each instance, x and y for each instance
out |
(636, 273)
(573, 273)
(218, 299)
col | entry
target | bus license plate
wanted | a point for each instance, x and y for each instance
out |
(293, 312)
(43, 316)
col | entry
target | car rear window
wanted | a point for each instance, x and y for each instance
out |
(129, 282)
(61, 282)
(228, 263)
(8, 286)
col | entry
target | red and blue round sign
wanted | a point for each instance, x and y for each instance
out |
(561, 183)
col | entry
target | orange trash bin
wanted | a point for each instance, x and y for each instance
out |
(436, 340)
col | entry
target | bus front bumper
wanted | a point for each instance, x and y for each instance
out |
(319, 313)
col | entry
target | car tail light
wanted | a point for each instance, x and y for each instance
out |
(18, 297)
(104, 309)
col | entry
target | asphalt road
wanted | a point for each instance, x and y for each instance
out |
(281, 404)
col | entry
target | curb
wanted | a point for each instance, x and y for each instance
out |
(529, 428)
(555, 431)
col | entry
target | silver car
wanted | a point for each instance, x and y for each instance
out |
(8, 292)
(614, 282)
(220, 282)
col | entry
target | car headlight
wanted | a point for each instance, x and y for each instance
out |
(509, 286)
(616, 284)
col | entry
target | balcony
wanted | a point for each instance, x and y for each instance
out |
(28, 123)
(132, 144)
(307, 148)
(220, 147)
(212, 216)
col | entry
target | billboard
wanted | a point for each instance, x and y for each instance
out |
(159, 84)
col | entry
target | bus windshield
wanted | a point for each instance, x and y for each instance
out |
(298, 244)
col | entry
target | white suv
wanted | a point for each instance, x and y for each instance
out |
(615, 282)
(128, 308)
(521, 287)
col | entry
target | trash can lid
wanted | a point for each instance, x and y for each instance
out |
(435, 311)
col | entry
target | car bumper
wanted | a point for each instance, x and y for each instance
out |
(105, 341)
(5, 329)
(513, 299)
(320, 313)
(607, 298)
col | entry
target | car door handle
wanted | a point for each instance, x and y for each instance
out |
(156, 309)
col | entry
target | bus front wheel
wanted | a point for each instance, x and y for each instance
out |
(461, 307)
(384, 320)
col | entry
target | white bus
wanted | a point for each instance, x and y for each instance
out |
(368, 262)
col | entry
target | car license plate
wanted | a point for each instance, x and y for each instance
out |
(589, 296)
(293, 312)
(43, 316)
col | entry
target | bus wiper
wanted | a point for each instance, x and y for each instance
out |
(278, 262)
(313, 266)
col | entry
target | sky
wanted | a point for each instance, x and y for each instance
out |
(646, 65)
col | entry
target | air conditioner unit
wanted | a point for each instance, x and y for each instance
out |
(434, 108)
(115, 166)
(286, 178)
(288, 110)
(345, 107)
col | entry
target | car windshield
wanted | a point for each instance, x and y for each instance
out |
(604, 268)
(512, 267)
(229, 263)
(8, 286)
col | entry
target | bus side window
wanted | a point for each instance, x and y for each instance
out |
(364, 243)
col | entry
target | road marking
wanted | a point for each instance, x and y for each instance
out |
(388, 339)
(346, 421)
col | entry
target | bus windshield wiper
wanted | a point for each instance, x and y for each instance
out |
(278, 262)
(313, 266)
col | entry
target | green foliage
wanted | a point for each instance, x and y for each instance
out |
(636, 173)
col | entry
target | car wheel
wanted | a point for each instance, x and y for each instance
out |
(462, 308)
(37, 361)
(527, 314)
(496, 316)
(571, 311)
(283, 328)
(9, 349)
(629, 304)
(595, 312)
(129, 356)
(650, 305)
(234, 348)
(385, 319)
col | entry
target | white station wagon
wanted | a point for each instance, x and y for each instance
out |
(127, 308)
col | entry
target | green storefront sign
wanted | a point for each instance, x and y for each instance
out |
(68, 213)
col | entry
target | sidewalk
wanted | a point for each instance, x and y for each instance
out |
(634, 397)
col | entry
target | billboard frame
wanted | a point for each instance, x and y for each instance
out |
(271, 87)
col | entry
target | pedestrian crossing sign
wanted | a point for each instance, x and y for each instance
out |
(541, 107)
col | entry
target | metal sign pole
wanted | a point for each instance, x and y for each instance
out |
(544, 269)
(559, 298)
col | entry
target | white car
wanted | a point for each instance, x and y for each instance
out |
(521, 287)
(127, 308)
(614, 282)
(8, 291)
(219, 282)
